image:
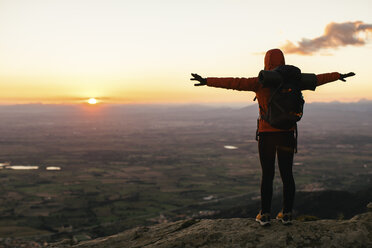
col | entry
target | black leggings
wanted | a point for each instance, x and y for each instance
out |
(270, 144)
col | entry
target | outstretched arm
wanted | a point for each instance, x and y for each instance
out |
(247, 84)
(330, 77)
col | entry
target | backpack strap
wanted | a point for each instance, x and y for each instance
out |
(258, 120)
(295, 138)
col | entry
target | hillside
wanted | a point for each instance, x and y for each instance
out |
(326, 204)
(121, 167)
(237, 232)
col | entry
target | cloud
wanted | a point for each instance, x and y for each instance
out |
(335, 35)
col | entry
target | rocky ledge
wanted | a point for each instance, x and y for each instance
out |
(355, 232)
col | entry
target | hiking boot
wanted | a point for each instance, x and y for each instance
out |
(263, 219)
(285, 218)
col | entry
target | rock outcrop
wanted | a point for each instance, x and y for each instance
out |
(236, 232)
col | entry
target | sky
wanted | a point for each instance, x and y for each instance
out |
(143, 51)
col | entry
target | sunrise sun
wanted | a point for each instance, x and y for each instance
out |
(92, 101)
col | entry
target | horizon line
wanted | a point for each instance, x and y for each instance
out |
(164, 103)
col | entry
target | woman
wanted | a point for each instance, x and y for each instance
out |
(272, 141)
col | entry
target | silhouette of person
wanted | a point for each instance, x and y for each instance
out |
(272, 142)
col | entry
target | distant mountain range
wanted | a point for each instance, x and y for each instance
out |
(362, 105)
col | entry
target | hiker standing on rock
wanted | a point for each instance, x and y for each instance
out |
(278, 91)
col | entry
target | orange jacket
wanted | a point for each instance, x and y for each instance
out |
(273, 59)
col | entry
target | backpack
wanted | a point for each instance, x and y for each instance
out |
(286, 102)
